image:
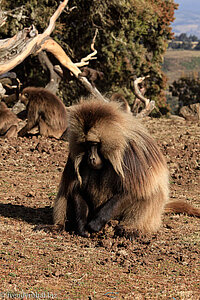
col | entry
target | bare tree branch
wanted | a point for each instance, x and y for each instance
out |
(32, 44)
(85, 61)
(137, 92)
(16, 13)
(2, 91)
(55, 78)
(149, 105)
(53, 47)
(29, 42)
(2, 18)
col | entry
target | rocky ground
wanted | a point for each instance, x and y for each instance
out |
(65, 266)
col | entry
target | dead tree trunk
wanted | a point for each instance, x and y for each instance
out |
(26, 42)
(149, 105)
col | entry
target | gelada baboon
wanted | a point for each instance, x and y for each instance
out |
(114, 170)
(45, 110)
(118, 97)
(8, 122)
(91, 74)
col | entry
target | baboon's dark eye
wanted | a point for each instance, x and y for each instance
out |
(90, 144)
(26, 95)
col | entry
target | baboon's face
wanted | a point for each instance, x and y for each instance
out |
(3, 106)
(24, 97)
(93, 155)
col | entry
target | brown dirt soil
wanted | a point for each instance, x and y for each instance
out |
(39, 264)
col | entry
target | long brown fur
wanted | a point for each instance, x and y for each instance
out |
(45, 110)
(8, 122)
(136, 174)
(182, 207)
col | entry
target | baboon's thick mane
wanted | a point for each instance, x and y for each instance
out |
(91, 112)
(115, 129)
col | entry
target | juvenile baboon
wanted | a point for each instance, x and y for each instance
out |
(8, 122)
(114, 170)
(45, 110)
(91, 74)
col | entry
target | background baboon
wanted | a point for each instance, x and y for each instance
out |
(114, 170)
(91, 74)
(8, 122)
(117, 97)
(44, 110)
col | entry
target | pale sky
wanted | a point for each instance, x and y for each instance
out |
(189, 5)
(187, 17)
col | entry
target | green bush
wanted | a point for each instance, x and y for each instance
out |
(131, 41)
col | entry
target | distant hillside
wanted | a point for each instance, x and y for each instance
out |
(179, 63)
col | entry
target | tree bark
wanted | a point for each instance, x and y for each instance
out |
(55, 79)
(28, 41)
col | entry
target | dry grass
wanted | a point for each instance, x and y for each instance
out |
(179, 63)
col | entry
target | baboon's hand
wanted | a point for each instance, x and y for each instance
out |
(96, 224)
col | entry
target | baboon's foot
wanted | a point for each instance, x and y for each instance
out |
(134, 234)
